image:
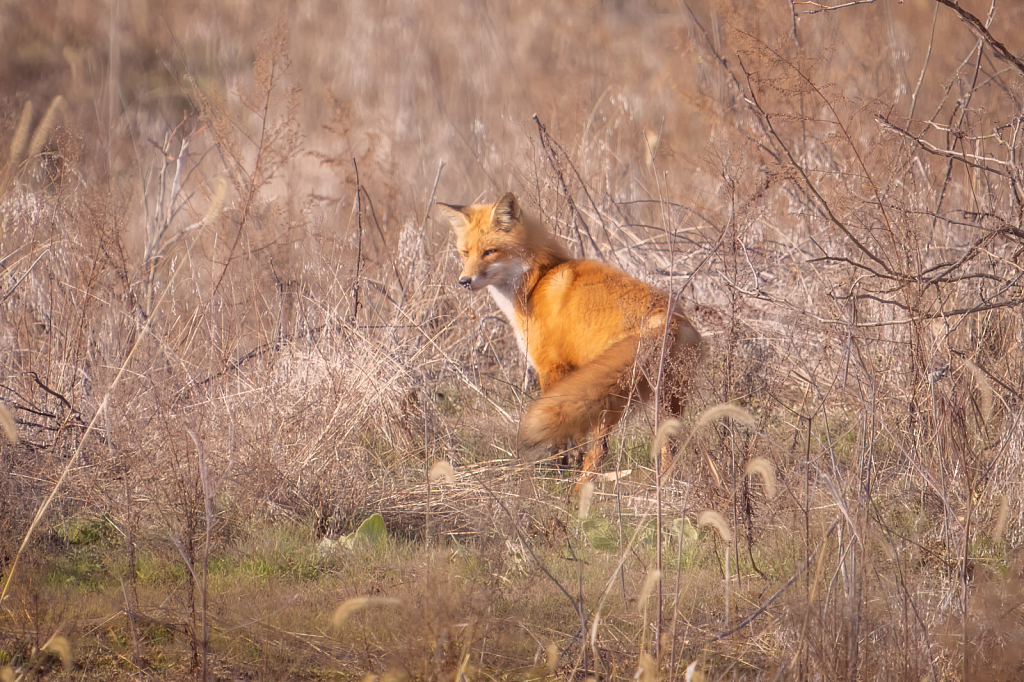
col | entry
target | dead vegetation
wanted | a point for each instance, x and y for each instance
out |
(229, 330)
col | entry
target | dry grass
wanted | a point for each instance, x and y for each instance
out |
(229, 329)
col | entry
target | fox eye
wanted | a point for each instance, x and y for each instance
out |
(465, 254)
(490, 252)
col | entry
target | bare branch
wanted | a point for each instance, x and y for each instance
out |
(827, 8)
(752, 99)
(978, 27)
(973, 160)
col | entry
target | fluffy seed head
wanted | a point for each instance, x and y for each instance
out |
(8, 426)
(715, 520)
(761, 466)
(60, 645)
(220, 190)
(1001, 514)
(652, 579)
(586, 495)
(350, 606)
(442, 471)
(725, 410)
(49, 120)
(648, 668)
(668, 428)
(21, 133)
(552, 657)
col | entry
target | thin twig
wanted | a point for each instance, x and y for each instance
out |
(208, 508)
(924, 67)
(359, 247)
(546, 144)
(979, 28)
(827, 8)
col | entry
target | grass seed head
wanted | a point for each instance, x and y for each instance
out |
(715, 520)
(725, 410)
(652, 579)
(764, 468)
(1001, 514)
(586, 495)
(442, 471)
(648, 668)
(668, 428)
(21, 133)
(8, 426)
(350, 606)
(60, 645)
(220, 190)
(45, 127)
(551, 652)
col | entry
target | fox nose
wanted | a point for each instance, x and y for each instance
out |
(465, 281)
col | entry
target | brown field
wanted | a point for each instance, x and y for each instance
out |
(230, 333)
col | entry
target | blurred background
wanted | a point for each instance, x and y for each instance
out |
(230, 331)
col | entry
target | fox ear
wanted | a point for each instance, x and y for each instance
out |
(506, 212)
(456, 215)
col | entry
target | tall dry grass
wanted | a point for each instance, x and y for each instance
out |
(216, 221)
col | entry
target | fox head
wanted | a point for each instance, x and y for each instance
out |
(492, 242)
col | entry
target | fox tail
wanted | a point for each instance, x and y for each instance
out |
(579, 402)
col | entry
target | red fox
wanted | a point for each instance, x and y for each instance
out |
(593, 333)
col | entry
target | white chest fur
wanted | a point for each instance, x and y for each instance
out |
(503, 296)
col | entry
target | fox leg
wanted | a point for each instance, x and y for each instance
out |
(563, 453)
(596, 451)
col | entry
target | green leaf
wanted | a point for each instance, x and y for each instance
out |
(685, 528)
(602, 534)
(372, 530)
